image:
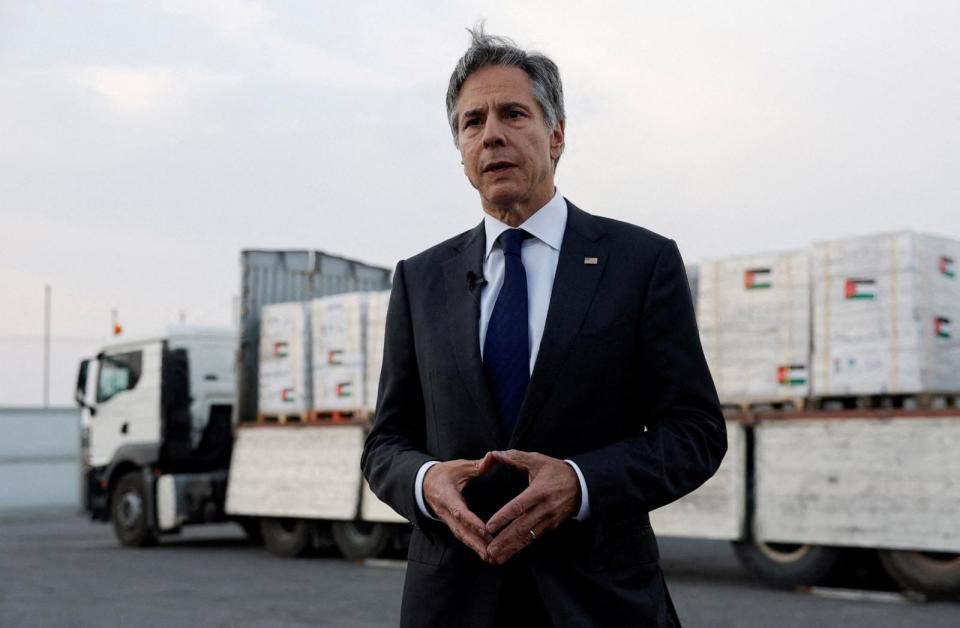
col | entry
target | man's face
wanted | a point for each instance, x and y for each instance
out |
(508, 151)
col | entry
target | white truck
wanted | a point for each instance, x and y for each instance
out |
(170, 439)
(169, 436)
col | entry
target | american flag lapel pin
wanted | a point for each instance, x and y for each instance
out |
(590, 261)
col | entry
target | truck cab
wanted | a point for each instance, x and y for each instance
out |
(158, 408)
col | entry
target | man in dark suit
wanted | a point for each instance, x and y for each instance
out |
(543, 385)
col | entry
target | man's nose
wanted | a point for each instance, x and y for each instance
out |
(493, 133)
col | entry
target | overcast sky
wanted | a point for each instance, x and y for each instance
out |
(144, 144)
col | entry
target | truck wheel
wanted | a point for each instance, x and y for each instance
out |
(360, 539)
(934, 573)
(128, 512)
(287, 537)
(788, 565)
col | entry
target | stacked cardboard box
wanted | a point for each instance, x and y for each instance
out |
(375, 329)
(284, 373)
(754, 319)
(339, 325)
(884, 311)
(693, 280)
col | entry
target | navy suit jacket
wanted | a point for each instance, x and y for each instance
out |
(620, 386)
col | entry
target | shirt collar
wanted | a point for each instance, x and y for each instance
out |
(547, 224)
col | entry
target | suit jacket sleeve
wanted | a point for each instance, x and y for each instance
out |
(678, 438)
(393, 451)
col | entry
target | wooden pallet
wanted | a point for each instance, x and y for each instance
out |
(749, 406)
(919, 401)
(338, 416)
(315, 416)
(289, 417)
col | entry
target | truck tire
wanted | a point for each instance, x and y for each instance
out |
(287, 537)
(361, 539)
(936, 574)
(128, 512)
(788, 565)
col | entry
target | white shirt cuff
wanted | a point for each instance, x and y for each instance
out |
(584, 511)
(418, 489)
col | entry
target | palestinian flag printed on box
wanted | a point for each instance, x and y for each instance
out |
(281, 349)
(942, 327)
(860, 289)
(947, 268)
(344, 389)
(335, 356)
(287, 395)
(757, 279)
(792, 375)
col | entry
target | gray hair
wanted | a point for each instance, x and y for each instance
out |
(486, 50)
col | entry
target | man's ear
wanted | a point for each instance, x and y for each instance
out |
(556, 140)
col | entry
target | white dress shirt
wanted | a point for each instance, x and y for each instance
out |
(540, 255)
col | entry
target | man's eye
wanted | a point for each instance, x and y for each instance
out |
(516, 113)
(471, 122)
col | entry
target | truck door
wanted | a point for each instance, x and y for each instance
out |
(83, 395)
(127, 400)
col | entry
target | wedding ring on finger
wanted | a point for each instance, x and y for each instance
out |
(533, 535)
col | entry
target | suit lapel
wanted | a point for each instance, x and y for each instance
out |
(574, 286)
(463, 317)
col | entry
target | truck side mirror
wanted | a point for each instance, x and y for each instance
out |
(84, 405)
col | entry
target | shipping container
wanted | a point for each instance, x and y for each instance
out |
(284, 276)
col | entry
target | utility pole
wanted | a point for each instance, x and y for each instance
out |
(46, 346)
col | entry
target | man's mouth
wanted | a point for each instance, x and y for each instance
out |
(498, 166)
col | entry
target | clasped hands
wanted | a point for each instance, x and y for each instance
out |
(550, 499)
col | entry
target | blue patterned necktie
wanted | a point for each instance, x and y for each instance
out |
(506, 347)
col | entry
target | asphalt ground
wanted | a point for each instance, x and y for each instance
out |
(69, 572)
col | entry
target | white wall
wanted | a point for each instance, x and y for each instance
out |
(39, 460)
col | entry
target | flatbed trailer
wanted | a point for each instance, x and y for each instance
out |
(803, 494)
(172, 437)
